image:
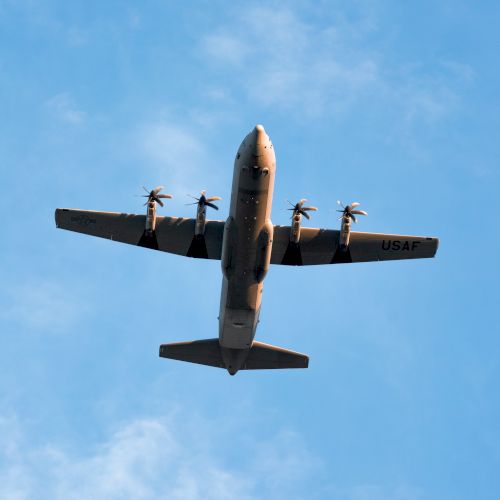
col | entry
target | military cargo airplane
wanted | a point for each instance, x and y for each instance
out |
(247, 243)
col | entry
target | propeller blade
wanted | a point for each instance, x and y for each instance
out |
(208, 204)
(214, 198)
(340, 203)
(160, 202)
(299, 209)
(353, 218)
(156, 190)
(169, 196)
(355, 204)
(359, 212)
(147, 190)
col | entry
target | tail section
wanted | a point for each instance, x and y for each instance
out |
(259, 357)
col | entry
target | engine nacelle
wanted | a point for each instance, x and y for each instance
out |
(151, 217)
(345, 233)
(295, 228)
(201, 217)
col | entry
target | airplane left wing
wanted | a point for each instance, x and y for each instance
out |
(173, 234)
(321, 246)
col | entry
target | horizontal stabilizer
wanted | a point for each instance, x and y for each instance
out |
(265, 356)
(203, 352)
(209, 352)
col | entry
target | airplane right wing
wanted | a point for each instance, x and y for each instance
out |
(172, 234)
(321, 246)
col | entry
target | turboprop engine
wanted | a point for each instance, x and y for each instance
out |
(298, 210)
(201, 211)
(153, 197)
(348, 215)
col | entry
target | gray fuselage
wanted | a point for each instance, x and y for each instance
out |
(247, 244)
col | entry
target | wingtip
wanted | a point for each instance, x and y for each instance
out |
(437, 245)
(433, 241)
(56, 216)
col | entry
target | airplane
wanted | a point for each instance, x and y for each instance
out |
(246, 244)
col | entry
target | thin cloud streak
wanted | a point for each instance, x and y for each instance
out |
(293, 65)
(64, 108)
(41, 305)
(296, 67)
(152, 458)
(175, 153)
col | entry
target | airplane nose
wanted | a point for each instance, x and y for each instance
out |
(260, 134)
(258, 144)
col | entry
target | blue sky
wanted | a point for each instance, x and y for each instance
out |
(392, 104)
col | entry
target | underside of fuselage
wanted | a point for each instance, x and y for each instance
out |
(246, 256)
(247, 246)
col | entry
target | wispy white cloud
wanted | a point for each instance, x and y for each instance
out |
(152, 458)
(77, 37)
(134, 18)
(288, 63)
(65, 109)
(284, 62)
(378, 492)
(226, 48)
(217, 94)
(427, 92)
(176, 153)
(462, 71)
(39, 305)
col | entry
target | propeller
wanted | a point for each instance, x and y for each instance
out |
(299, 209)
(203, 201)
(349, 211)
(154, 195)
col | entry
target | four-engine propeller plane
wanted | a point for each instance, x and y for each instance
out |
(246, 244)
